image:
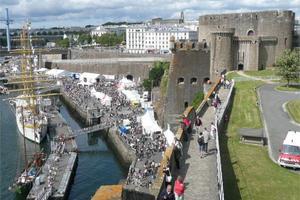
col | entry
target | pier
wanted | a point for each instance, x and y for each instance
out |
(55, 178)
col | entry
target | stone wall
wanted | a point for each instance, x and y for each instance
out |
(100, 53)
(124, 153)
(259, 37)
(187, 70)
(137, 67)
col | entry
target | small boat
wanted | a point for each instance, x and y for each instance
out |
(3, 90)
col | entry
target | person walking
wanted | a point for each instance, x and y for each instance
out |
(179, 188)
(198, 124)
(205, 138)
(167, 194)
(168, 176)
(201, 143)
(178, 152)
(213, 130)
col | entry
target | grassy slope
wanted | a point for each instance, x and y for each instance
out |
(290, 88)
(248, 172)
(262, 73)
(293, 108)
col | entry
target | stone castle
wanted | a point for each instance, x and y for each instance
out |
(239, 41)
(246, 41)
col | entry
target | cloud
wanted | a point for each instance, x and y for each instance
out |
(81, 12)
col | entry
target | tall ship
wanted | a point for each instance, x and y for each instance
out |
(32, 122)
(31, 114)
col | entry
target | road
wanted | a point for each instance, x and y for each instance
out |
(277, 121)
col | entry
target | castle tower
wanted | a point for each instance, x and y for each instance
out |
(221, 55)
(181, 17)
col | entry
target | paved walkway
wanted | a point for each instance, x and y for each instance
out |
(200, 174)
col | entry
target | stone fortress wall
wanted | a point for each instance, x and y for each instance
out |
(189, 66)
(252, 40)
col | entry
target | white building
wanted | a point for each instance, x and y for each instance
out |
(155, 39)
(100, 30)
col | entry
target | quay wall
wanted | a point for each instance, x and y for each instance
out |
(77, 112)
(124, 153)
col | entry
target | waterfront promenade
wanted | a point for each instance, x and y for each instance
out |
(200, 174)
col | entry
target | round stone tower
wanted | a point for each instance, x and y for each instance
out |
(221, 51)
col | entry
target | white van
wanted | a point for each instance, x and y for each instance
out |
(290, 150)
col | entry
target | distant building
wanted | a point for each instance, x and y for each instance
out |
(160, 21)
(155, 39)
(117, 29)
(100, 30)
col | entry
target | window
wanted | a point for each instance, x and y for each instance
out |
(193, 81)
(180, 80)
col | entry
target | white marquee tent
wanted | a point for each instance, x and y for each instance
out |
(87, 78)
(132, 95)
(104, 99)
(57, 73)
(149, 124)
(170, 137)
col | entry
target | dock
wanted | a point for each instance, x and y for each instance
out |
(54, 180)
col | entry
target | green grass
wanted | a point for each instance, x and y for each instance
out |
(293, 108)
(247, 169)
(164, 82)
(198, 99)
(291, 88)
(262, 73)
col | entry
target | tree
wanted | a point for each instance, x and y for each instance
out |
(109, 39)
(64, 43)
(289, 66)
(147, 84)
(157, 72)
(85, 38)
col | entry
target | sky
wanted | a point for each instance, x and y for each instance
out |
(59, 13)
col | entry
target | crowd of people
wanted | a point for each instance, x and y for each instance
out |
(148, 148)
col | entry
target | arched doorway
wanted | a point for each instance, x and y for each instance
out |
(129, 77)
(241, 66)
(186, 104)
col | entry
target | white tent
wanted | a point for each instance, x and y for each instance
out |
(104, 99)
(149, 124)
(170, 137)
(57, 73)
(132, 95)
(41, 70)
(125, 83)
(109, 77)
(86, 78)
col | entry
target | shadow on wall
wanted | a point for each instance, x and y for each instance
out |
(231, 189)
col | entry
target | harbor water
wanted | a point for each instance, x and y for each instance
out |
(97, 164)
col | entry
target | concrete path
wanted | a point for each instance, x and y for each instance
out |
(276, 121)
(200, 174)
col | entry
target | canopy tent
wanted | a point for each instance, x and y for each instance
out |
(41, 70)
(104, 99)
(149, 124)
(170, 137)
(57, 73)
(87, 78)
(109, 77)
(132, 95)
(125, 83)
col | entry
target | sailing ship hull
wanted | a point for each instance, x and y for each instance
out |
(31, 133)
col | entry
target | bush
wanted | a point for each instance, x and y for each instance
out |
(198, 99)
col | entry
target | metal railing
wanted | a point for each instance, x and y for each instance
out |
(218, 117)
